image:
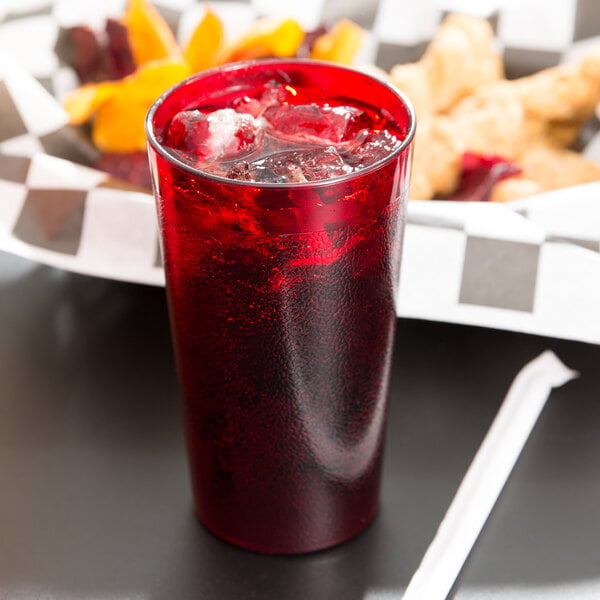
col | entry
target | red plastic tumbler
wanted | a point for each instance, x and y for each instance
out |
(281, 299)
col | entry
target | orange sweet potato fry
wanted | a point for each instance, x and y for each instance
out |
(119, 122)
(117, 108)
(149, 35)
(267, 37)
(340, 44)
(206, 42)
(83, 102)
(120, 106)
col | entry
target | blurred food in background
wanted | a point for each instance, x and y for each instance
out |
(479, 135)
(124, 68)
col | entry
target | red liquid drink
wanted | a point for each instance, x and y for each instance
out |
(281, 240)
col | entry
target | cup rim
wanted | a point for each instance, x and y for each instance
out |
(160, 149)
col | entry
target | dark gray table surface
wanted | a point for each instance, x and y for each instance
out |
(94, 496)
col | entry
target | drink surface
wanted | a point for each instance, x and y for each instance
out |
(281, 294)
(277, 133)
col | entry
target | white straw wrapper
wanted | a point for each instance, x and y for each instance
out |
(486, 477)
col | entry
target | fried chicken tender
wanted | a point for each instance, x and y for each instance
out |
(491, 121)
(531, 120)
(546, 169)
(464, 104)
(566, 93)
(555, 168)
(413, 80)
(514, 188)
(549, 107)
(436, 159)
(461, 57)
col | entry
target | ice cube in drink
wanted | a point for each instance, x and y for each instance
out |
(266, 138)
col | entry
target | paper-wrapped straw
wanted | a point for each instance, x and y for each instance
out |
(486, 477)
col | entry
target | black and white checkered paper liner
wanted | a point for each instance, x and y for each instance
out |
(531, 266)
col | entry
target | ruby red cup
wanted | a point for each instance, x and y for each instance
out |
(281, 301)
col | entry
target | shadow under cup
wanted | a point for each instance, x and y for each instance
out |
(281, 300)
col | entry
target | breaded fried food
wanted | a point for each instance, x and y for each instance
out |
(555, 168)
(491, 121)
(566, 93)
(546, 169)
(461, 57)
(436, 160)
(413, 80)
(464, 104)
(510, 117)
(514, 188)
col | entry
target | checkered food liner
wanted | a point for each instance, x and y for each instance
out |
(531, 265)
